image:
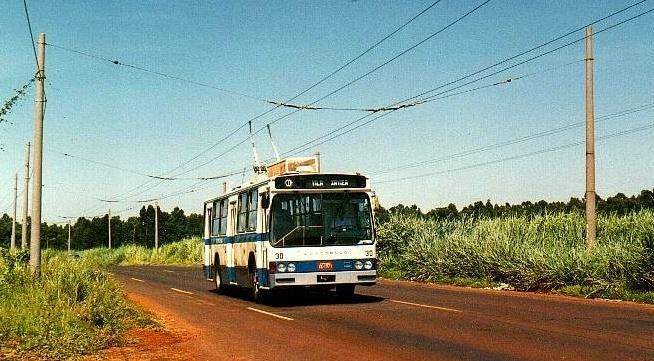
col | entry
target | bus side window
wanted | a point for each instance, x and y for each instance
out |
(241, 222)
(252, 211)
(223, 217)
(215, 226)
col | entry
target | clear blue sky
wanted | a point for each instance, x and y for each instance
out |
(272, 50)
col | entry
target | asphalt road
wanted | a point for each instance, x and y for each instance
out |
(395, 321)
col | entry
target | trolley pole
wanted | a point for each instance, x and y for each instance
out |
(109, 221)
(12, 246)
(35, 244)
(23, 235)
(156, 226)
(591, 216)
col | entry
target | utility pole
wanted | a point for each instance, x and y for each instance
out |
(156, 226)
(109, 214)
(35, 244)
(69, 236)
(12, 246)
(591, 217)
(23, 235)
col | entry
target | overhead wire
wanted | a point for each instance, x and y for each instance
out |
(116, 62)
(452, 23)
(436, 96)
(29, 26)
(387, 113)
(158, 73)
(514, 141)
(324, 138)
(131, 171)
(520, 156)
(267, 112)
(322, 80)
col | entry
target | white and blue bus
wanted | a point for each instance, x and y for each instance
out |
(292, 227)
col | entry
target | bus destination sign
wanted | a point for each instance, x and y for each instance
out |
(320, 181)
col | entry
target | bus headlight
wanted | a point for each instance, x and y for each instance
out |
(290, 267)
(281, 268)
(358, 265)
(367, 265)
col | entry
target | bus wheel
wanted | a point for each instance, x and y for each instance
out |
(345, 291)
(220, 285)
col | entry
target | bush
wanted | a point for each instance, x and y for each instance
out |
(73, 308)
(185, 252)
(538, 253)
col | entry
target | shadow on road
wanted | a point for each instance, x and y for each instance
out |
(301, 297)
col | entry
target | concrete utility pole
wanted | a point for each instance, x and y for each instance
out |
(156, 226)
(35, 244)
(591, 217)
(68, 236)
(109, 214)
(23, 235)
(12, 246)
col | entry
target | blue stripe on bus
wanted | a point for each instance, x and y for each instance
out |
(262, 274)
(312, 266)
(239, 238)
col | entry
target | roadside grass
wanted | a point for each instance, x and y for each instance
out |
(184, 252)
(541, 253)
(72, 309)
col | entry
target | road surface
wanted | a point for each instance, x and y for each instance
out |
(392, 321)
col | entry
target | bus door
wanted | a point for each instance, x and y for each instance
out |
(229, 246)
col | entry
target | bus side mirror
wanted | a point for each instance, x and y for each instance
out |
(265, 200)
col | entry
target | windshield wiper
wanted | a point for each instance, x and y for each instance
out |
(287, 235)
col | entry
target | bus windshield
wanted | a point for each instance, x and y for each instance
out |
(321, 219)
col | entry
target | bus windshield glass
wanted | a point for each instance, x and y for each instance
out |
(321, 219)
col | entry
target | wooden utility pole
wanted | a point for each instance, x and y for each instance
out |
(69, 236)
(156, 226)
(591, 217)
(12, 246)
(23, 235)
(35, 244)
(109, 214)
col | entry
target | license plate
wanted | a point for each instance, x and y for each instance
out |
(325, 266)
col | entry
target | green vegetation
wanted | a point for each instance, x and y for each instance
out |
(72, 309)
(91, 233)
(535, 253)
(185, 252)
(618, 204)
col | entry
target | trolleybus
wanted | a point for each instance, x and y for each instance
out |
(290, 227)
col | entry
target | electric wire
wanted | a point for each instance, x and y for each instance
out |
(323, 79)
(158, 73)
(514, 141)
(414, 46)
(131, 171)
(437, 95)
(322, 139)
(520, 156)
(531, 58)
(29, 26)
(553, 40)
(347, 84)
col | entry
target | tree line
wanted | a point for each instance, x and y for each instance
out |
(139, 230)
(619, 204)
(90, 233)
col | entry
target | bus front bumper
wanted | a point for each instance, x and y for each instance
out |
(366, 278)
